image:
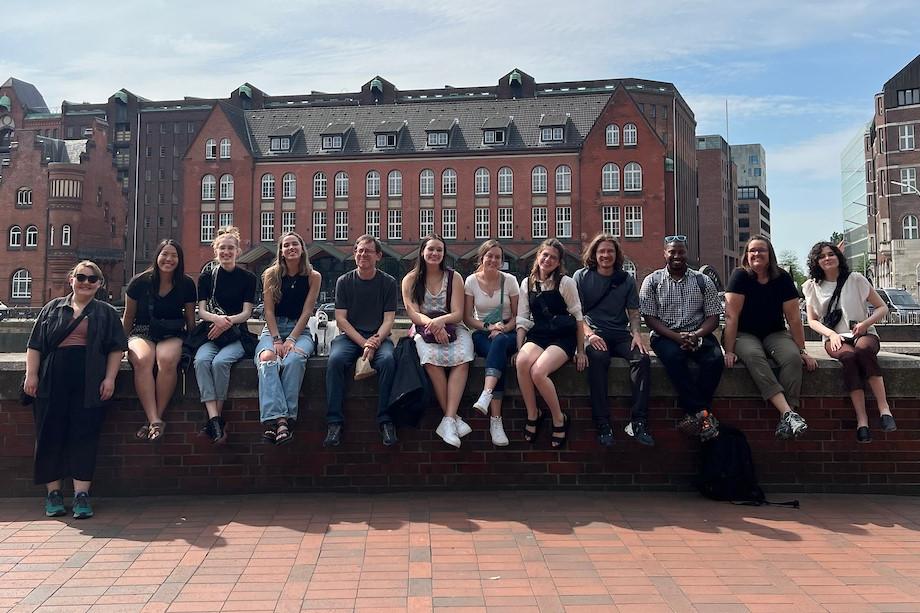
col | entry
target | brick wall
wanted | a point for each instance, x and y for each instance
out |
(828, 459)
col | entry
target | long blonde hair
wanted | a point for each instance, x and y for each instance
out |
(550, 243)
(271, 278)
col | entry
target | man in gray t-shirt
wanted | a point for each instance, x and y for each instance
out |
(610, 304)
(365, 309)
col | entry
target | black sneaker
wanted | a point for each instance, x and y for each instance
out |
(216, 430)
(863, 435)
(605, 435)
(888, 424)
(639, 432)
(333, 435)
(388, 433)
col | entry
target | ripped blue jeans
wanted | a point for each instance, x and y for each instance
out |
(280, 379)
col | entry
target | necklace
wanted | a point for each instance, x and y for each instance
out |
(293, 282)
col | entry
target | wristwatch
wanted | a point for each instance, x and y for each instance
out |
(277, 339)
(803, 351)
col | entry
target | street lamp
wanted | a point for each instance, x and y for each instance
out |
(911, 188)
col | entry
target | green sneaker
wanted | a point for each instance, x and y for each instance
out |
(81, 506)
(54, 504)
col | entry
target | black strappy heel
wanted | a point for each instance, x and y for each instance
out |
(558, 442)
(529, 436)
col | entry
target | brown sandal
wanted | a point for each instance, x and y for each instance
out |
(283, 432)
(156, 431)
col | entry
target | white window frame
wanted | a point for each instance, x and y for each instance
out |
(632, 177)
(505, 181)
(481, 227)
(493, 137)
(31, 235)
(563, 179)
(65, 235)
(24, 197)
(426, 183)
(437, 139)
(630, 135)
(319, 225)
(225, 148)
(425, 222)
(21, 285)
(288, 221)
(449, 223)
(225, 219)
(610, 178)
(394, 183)
(482, 179)
(505, 222)
(909, 181)
(629, 268)
(372, 222)
(267, 225)
(563, 222)
(539, 222)
(906, 137)
(372, 184)
(632, 221)
(386, 141)
(610, 220)
(289, 186)
(207, 227)
(320, 185)
(210, 149)
(612, 135)
(910, 228)
(208, 187)
(226, 187)
(51, 235)
(280, 143)
(538, 180)
(449, 182)
(268, 186)
(15, 236)
(394, 224)
(332, 143)
(341, 184)
(341, 225)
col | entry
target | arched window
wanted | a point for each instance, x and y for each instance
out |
(632, 177)
(563, 179)
(910, 227)
(613, 135)
(15, 237)
(210, 149)
(610, 178)
(288, 185)
(32, 236)
(22, 284)
(394, 183)
(65, 235)
(225, 148)
(208, 186)
(426, 183)
(373, 184)
(538, 180)
(341, 185)
(630, 268)
(268, 187)
(629, 134)
(505, 181)
(449, 182)
(482, 181)
(24, 197)
(319, 185)
(226, 187)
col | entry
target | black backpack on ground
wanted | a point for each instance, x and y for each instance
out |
(727, 471)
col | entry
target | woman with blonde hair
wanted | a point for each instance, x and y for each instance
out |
(226, 295)
(290, 287)
(72, 359)
(489, 310)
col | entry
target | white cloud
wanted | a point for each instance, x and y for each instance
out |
(815, 158)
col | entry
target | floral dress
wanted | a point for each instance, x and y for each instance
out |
(451, 354)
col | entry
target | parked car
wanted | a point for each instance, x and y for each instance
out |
(902, 307)
(4, 311)
(258, 311)
(328, 308)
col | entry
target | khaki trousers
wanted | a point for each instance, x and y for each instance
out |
(781, 350)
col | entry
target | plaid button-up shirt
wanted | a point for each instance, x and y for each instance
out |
(679, 303)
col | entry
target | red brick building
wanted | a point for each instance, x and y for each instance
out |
(719, 247)
(519, 161)
(60, 202)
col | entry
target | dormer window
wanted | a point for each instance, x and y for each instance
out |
(548, 135)
(281, 143)
(493, 137)
(386, 141)
(386, 136)
(438, 132)
(334, 136)
(552, 127)
(437, 139)
(332, 143)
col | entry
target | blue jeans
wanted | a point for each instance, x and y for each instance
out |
(212, 369)
(496, 352)
(280, 379)
(694, 393)
(343, 354)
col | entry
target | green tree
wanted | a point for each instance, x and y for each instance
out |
(790, 261)
(836, 237)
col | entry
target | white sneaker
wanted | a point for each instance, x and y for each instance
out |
(482, 404)
(447, 430)
(463, 428)
(499, 438)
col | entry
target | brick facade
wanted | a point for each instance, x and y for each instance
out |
(719, 247)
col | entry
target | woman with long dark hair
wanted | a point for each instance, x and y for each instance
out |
(433, 295)
(761, 300)
(159, 312)
(290, 287)
(72, 360)
(834, 292)
(549, 334)
(489, 310)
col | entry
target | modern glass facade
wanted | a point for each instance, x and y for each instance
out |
(854, 202)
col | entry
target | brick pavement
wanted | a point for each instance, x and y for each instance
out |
(457, 552)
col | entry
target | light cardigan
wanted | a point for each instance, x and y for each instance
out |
(569, 292)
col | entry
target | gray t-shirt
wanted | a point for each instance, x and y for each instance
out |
(609, 317)
(366, 301)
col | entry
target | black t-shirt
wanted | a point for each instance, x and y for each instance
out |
(294, 292)
(233, 289)
(366, 301)
(170, 306)
(762, 313)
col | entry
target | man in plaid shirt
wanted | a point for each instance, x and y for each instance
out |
(681, 308)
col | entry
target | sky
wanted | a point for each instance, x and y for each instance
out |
(799, 76)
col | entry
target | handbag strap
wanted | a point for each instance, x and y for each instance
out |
(67, 331)
(610, 287)
(835, 297)
(450, 288)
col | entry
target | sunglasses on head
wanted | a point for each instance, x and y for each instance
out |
(679, 238)
(84, 278)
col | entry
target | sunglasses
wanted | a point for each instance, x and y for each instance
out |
(84, 278)
(679, 238)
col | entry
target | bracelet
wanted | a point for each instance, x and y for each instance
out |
(291, 338)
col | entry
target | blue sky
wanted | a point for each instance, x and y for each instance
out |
(799, 76)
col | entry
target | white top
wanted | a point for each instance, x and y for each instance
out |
(852, 300)
(569, 292)
(484, 303)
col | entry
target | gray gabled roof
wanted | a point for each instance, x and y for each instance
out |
(472, 115)
(386, 127)
(440, 125)
(61, 151)
(28, 95)
(553, 119)
(336, 129)
(494, 123)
